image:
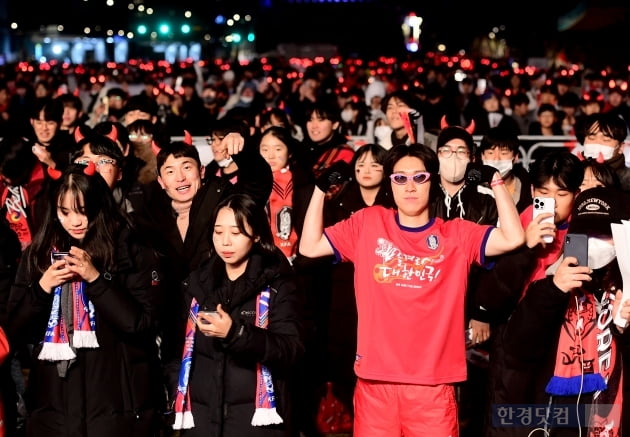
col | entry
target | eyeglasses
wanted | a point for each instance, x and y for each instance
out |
(447, 152)
(213, 139)
(138, 137)
(100, 163)
(418, 178)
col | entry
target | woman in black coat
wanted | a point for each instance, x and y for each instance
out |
(229, 343)
(83, 265)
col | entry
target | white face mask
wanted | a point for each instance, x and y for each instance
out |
(247, 99)
(224, 162)
(600, 253)
(453, 169)
(503, 166)
(346, 115)
(593, 151)
(382, 131)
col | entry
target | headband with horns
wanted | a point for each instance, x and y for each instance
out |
(187, 140)
(55, 174)
(112, 135)
(470, 128)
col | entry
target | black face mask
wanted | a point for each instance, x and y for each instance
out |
(209, 100)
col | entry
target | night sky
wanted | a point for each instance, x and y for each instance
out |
(364, 27)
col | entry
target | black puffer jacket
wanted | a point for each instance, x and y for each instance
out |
(112, 390)
(223, 375)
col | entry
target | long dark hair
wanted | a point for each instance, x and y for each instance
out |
(105, 220)
(246, 211)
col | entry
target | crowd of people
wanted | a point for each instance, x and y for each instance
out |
(350, 259)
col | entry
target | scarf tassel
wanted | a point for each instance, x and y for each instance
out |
(266, 416)
(184, 420)
(84, 339)
(573, 385)
(56, 352)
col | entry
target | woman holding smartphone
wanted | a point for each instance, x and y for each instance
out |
(233, 378)
(91, 314)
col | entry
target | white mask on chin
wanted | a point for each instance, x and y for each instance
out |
(600, 253)
(453, 169)
(593, 151)
(503, 166)
(224, 162)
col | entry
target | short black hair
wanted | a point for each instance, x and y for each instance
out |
(561, 166)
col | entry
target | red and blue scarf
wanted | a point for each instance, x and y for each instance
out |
(265, 413)
(59, 343)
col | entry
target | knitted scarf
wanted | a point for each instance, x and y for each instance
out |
(265, 413)
(183, 410)
(587, 359)
(71, 324)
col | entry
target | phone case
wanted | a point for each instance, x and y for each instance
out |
(577, 245)
(545, 205)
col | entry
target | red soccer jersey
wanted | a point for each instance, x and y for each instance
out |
(410, 286)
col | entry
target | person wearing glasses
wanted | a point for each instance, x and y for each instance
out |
(411, 271)
(456, 198)
(110, 164)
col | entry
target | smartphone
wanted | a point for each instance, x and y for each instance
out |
(577, 245)
(544, 205)
(208, 313)
(56, 256)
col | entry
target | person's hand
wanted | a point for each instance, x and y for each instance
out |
(80, 263)
(43, 155)
(336, 174)
(55, 275)
(537, 230)
(232, 143)
(479, 173)
(569, 275)
(214, 325)
(625, 308)
(480, 331)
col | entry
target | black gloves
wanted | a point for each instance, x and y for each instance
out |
(479, 174)
(414, 115)
(338, 173)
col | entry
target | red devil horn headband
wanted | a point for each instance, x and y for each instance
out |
(90, 169)
(188, 138)
(78, 136)
(113, 134)
(54, 173)
(470, 128)
(155, 148)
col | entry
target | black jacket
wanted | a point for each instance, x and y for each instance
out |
(112, 390)
(223, 375)
(524, 356)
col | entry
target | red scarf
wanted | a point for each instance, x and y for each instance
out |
(587, 360)
(16, 201)
(280, 213)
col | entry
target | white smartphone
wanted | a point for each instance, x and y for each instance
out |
(207, 313)
(544, 205)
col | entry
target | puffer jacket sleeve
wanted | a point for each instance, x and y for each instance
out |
(28, 307)
(132, 303)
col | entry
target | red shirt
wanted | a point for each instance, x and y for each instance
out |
(410, 286)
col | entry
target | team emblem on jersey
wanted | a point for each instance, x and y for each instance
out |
(432, 242)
